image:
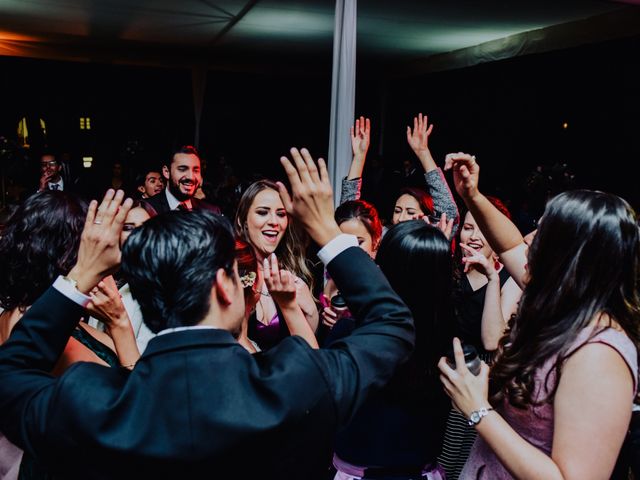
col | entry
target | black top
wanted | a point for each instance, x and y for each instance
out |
(400, 426)
(469, 305)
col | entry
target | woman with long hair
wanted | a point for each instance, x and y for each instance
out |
(565, 376)
(40, 242)
(262, 222)
(485, 297)
(398, 431)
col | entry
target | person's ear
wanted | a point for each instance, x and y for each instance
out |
(224, 287)
(165, 172)
(141, 189)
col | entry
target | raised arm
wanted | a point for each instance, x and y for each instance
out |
(360, 140)
(503, 236)
(384, 335)
(418, 140)
(498, 301)
(283, 289)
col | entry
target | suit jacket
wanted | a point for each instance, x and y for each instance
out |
(161, 205)
(197, 404)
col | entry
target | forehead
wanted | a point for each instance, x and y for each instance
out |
(468, 218)
(268, 198)
(48, 158)
(185, 159)
(137, 216)
(355, 227)
(407, 201)
(152, 175)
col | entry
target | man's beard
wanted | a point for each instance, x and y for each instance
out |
(174, 188)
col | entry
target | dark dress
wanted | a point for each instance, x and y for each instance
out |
(459, 436)
(268, 336)
(399, 429)
(29, 468)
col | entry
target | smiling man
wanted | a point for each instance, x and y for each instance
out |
(183, 175)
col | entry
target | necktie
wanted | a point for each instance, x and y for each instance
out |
(54, 186)
(182, 206)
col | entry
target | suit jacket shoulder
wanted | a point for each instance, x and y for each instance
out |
(158, 202)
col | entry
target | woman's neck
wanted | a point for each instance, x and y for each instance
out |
(243, 338)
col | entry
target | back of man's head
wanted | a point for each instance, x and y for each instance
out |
(171, 263)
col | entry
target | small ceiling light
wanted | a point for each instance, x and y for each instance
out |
(565, 125)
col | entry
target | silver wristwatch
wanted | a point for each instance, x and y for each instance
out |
(476, 416)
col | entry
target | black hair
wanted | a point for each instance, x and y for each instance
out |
(365, 213)
(582, 263)
(186, 149)
(171, 263)
(416, 259)
(39, 242)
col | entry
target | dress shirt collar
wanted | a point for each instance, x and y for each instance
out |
(174, 202)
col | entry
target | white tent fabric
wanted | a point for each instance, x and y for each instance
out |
(343, 92)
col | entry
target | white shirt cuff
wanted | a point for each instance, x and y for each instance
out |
(336, 246)
(66, 288)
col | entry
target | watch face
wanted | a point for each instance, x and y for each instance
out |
(475, 417)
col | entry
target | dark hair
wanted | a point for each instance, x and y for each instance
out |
(171, 263)
(583, 262)
(186, 149)
(141, 177)
(246, 258)
(423, 198)
(416, 259)
(291, 249)
(365, 213)
(39, 242)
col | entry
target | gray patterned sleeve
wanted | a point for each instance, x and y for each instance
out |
(443, 201)
(350, 189)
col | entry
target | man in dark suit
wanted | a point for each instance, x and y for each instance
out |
(197, 404)
(55, 174)
(183, 176)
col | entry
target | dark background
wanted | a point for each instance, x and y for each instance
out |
(510, 114)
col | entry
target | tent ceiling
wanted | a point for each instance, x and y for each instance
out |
(234, 32)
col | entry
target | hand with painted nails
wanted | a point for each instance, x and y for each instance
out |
(106, 305)
(280, 283)
(466, 173)
(311, 199)
(99, 252)
(474, 258)
(467, 391)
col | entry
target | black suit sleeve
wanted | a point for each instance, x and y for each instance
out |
(383, 338)
(26, 358)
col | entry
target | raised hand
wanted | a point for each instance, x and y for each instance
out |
(482, 263)
(280, 283)
(446, 226)
(99, 252)
(106, 304)
(361, 137)
(311, 199)
(418, 138)
(466, 173)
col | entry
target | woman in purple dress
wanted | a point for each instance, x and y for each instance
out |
(566, 372)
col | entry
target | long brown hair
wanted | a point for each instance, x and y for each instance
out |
(291, 249)
(582, 263)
